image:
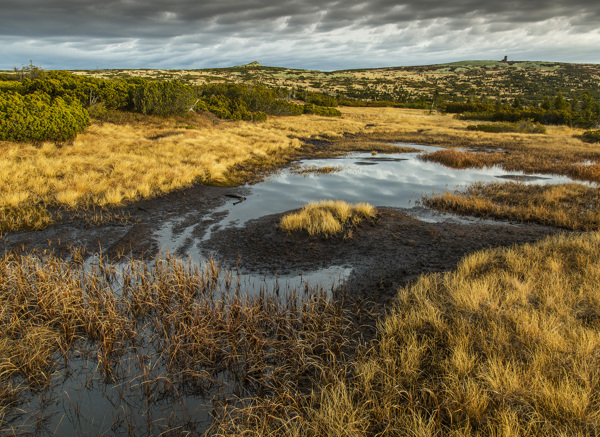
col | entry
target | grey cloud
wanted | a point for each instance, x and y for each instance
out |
(143, 18)
(325, 34)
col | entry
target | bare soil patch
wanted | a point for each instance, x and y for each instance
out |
(385, 253)
(116, 238)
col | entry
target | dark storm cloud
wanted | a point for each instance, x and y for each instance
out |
(323, 34)
(145, 18)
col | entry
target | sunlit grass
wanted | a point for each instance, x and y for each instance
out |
(570, 206)
(327, 217)
(110, 164)
(505, 345)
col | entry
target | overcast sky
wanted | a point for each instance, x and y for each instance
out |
(313, 34)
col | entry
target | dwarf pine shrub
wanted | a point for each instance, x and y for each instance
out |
(591, 136)
(162, 98)
(38, 117)
(310, 108)
(521, 126)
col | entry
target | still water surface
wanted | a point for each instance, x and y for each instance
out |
(393, 180)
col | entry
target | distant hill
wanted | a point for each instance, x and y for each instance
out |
(475, 80)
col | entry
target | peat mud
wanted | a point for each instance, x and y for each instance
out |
(132, 233)
(384, 254)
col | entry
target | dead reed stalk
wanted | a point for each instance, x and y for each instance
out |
(170, 332)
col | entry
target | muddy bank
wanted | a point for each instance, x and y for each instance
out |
(384, 254)
(131, 233)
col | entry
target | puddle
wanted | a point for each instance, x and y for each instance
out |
(85, 404)
(384, 180)
(523, 178)
(391, 180)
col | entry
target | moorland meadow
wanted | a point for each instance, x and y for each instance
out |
(485, 325)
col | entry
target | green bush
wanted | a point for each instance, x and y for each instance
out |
(162, 98)
(462, 107)
(259, 116)
(112, 93)
(309, 108)
(582, 112)
(358, 103)
(510, 114)
(240, 101)
(522, 126)
(319, 99)
(9, 85)
(590, 136)
(38, 117)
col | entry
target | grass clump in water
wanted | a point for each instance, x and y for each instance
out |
(313, 169)
(569, 206)
(142, 342)
(327, 217)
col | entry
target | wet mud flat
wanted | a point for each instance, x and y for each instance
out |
(130, 237)
(384, 254)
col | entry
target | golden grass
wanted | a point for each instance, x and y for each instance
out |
(327, 217)
(139, 157)
(112, 164)
(144, 335)
(508, 344)
(581, 163)
(569, 206)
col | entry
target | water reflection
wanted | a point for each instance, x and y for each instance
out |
(382, 180)
(393, 180)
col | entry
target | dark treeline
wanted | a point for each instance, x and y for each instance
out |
(36, 105)
(581, 111)
(56, 105)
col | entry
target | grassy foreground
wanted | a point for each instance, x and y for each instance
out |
(508, 344)
(157, 347)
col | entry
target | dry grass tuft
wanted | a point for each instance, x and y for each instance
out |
(508, 344)
(569, 206)
(313, 169)
(457, 159)
(327, 217)
(168, 333)
(577, 163)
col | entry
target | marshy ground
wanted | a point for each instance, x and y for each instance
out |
(458, 327)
